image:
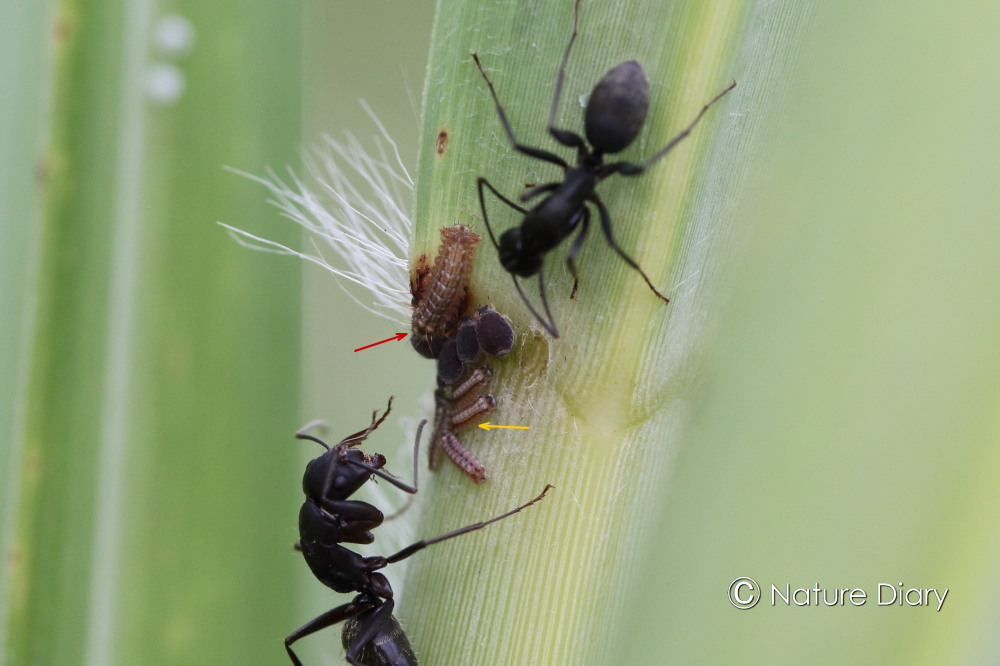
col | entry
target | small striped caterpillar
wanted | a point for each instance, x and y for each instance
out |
(441, 292)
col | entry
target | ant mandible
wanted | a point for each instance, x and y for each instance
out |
(614, 115)
(371, 635)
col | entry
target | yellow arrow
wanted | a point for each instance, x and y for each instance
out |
(488, 425)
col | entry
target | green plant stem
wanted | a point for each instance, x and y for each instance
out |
(608, 401)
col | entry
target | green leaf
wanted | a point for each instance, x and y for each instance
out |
(609, 401)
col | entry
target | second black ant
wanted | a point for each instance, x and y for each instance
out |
(615, 113)
(371, 635)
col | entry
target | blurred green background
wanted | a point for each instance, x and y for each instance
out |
(842, 432)
(153, 371)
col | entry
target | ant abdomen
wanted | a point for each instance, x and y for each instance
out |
(617, 108)
(388, 647)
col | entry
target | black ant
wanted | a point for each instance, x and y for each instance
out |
(614, 115)
(371, 635)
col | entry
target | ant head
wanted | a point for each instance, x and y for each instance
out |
(339, 472)
(617, 108)
(515, 257)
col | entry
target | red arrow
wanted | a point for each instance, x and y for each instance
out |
(398, 336)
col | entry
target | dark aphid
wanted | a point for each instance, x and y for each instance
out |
(449, 365)
(615, 113)
(371, 635)
(467, 341)
(461, 400)
(494, 333)
(441, 291)
(490, 332)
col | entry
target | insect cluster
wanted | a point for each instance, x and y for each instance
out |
(442, 331)
(462, 336)
(459, 400)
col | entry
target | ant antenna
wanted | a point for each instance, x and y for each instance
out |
(416, 453)
(302, 434)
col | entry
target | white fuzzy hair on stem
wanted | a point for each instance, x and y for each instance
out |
(369, 232)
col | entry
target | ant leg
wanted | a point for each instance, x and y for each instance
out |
(549, 324)
(609, 235)
(565, 137)
(409, 500)
(538, 189)
(575, 248)
(442, 413)
(416, 452)
(355, 518)
(482, 205)
(545, 303)
(327, 619)
(537, 153)
(629, 169)
(366, 632)
(420, 545)
(400, 511)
